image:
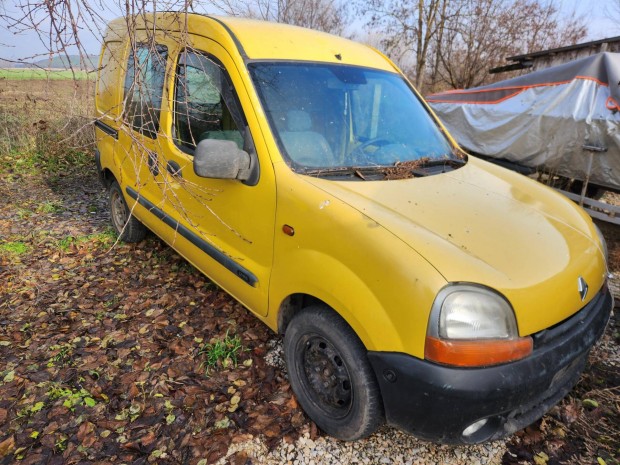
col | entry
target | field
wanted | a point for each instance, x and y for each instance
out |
(117, 353)
(45, 122)
(22, 74)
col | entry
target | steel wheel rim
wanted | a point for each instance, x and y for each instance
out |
(327, 378)
(118, 211)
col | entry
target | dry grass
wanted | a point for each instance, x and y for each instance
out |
(45, 124)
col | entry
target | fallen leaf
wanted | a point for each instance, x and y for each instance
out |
(7, 446)
(541, 458)
(239, 458)
(570, 413)
(148, 438)
(589, 403)
(223, 423)
(84, 430)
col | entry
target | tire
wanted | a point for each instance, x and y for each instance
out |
(330, 374)
(128, 228)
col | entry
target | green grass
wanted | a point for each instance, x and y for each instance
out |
(21, 74)
(71, 397)
(14, 248)
(49, 206)
(34, 162)
(222, 353)
(106, 237)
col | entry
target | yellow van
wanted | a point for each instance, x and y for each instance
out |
(303, 174)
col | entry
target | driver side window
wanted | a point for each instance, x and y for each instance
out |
(205, 104)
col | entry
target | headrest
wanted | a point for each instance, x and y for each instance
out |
(298, 121)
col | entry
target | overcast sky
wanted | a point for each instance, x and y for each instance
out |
(27, 44)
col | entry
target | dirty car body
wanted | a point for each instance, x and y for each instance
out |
(303, 174)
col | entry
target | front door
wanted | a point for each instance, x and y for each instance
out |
(224, 227)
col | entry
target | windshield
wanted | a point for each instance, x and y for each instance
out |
(334, 116)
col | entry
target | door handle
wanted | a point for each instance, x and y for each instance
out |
(174, 168)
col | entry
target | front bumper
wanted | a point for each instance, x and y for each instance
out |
(438, 403)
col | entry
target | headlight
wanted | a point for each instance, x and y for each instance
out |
(473, 326)
(601, 238)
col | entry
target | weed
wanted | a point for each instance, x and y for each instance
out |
(36, 138)
(62, 357)
(65, 243)
(113, 302)
(24, 213)
(14, 248)
(106, 236)
(222, 353)
(50, 206)
(61, 444)
(30, 410)
(71, 397)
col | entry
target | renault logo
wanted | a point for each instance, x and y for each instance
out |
(582, 287)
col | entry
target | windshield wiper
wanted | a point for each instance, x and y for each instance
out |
(453, 162)
(436, 166)
(359, 171)
(414, 168)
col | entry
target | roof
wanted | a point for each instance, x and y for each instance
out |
(568, 48)
(526, 60)
(262, 40)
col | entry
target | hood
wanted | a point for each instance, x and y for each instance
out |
(486, 225)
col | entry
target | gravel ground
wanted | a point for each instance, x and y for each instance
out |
(387, 446)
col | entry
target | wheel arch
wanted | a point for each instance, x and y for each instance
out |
(107, 177)
(293, 304)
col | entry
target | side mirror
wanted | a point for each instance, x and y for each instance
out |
(221, 159)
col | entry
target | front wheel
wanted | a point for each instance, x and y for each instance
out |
(128, 228)
(330, 374)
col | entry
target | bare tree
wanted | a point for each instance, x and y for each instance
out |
(324, 15)
(484, 32)
(61, 25)
(454, 43)
(409, 28)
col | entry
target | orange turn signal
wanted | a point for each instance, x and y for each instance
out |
(482, 352)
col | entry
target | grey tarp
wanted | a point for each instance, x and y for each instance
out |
(544, 119)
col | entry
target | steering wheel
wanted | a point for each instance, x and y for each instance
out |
(360, 150)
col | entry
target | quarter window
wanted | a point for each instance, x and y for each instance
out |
(205, 105)
(144, 84)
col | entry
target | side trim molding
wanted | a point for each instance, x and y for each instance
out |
(109, 130)
(213, 252)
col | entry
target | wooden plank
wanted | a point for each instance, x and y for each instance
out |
(599, 210)
(603, 216)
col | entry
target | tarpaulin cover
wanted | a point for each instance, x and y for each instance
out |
(544, 119)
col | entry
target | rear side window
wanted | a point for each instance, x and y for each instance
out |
(144, 84)
(205, 104)
(108, 89)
